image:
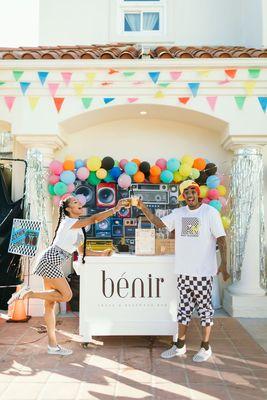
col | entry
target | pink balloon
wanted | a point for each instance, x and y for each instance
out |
(162, 163)
(122, 163)
(124, 181)
(83, 173)
(56, 200)
(224, 202)
(53, 179)
(213, 194)
(56, 167)
(81, 198)
(206, 200)
(71, 188)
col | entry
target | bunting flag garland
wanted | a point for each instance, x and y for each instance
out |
(132, 99)
(128, 74)
(254, 73)
(108, 99)
(175, 75)
(231, 73)
(224, 82)
(212, 100)
(2, 83)
(154, 76)
(17, 75)
(263, 103)
(106, 83)
(87, 101)
(240, 101)
(159, 95)
(164, 84)
(66, 76)
(113, 71)
(33, 101)
(42, 76)
(79, 88)
(9, 100)
(53, 87)
(184, 100)
(249, 87)
(204, 72)
(193, 86)
(58, 102)
(24, 86)
(90, 76)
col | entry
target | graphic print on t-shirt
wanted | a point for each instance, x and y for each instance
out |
(190, 226)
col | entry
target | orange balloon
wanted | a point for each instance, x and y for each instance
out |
(69, 165)
(136, 161)
(139, 177)
(155, 170)
(199, 163)
(154, 179)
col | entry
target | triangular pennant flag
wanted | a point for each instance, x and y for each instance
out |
(2, 83)
(159, 95)
(58, 102)
(231, 73)
(90, 76)
(132, 99)
(254, 73)
(249, 87)
(224, 82)
(263, 103)
(164, 84)
(9, 100)
(113, 71)
(240, 101)
(128, 74)
(212, 100)
(204, 72)
(66, 77)
(154, 76)
(17, 74)
(79, 88)
(53, 87)
(108, 99)
(184, 100)
(106, 83)
(87, 102)
(33, 101)
(175, 75)
(193, 86)
(42, 76)
(24, 86)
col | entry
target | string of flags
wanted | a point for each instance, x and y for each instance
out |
(54, 81)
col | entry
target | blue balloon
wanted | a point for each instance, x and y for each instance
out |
(67, 177)
(213, 181)
(216, 204)
(79, 164)
(115, 172)
(173, 164)
(130, 168)
(166, 176)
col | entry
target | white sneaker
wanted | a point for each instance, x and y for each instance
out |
(202, 355)
(19, 294)
(59, 351)
(174, 351)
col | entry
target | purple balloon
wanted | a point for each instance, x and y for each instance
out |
(124, 181)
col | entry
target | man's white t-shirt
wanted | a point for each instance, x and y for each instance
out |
(196, 232)
(66, 238)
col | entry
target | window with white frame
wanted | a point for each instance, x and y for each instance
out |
(142, 16)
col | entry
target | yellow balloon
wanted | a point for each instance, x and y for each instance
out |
(177, 177)
(203, 191)
(187, 160)
(226, 222)
(93, 163)
(101, 173)
(222, 190)
(185, 170)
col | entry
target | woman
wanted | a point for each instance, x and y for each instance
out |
(66, 240)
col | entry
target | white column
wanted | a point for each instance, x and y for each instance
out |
(245, 297)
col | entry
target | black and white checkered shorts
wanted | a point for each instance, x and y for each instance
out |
(50, 263)
(195, 292)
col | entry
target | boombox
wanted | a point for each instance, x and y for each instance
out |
(130, 225)
(106, 195)
(156, 195)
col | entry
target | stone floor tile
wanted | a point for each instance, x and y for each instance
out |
(209, 392)
(55, 391)
(95, 391)
(29, 391)
(239, 393)
(133, 390)
(171, 391)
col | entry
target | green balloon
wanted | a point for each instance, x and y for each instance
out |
(60, 188)
(93, 179)
(51, 190)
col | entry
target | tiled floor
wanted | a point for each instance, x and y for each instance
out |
(129, 367)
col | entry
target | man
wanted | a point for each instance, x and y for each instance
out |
(197, 229)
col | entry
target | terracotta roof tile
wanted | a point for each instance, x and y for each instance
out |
(128, 51)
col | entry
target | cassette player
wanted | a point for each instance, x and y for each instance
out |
(156, 195)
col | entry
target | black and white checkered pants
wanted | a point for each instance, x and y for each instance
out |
(195, 292)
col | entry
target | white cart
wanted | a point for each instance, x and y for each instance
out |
(127, 295)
